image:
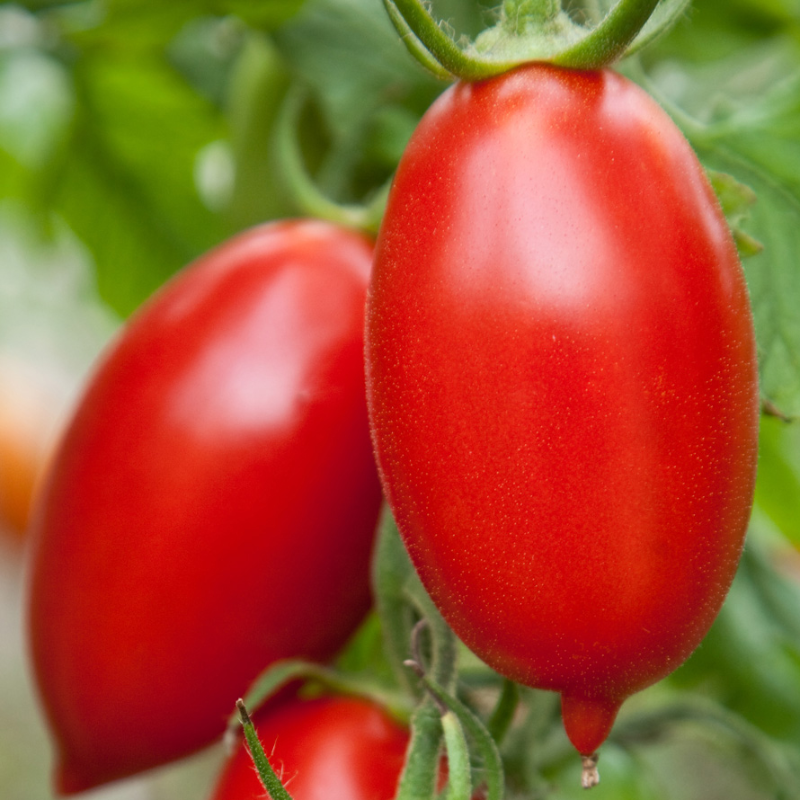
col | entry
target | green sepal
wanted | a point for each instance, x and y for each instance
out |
(421, 769)
(459, 779)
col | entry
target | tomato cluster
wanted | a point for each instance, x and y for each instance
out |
(562, 393)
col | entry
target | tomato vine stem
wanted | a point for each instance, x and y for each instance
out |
(503, 714)
(305, 193)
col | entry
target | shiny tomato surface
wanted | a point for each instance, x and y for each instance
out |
(212, 505)
(328, 748)
(561, 379)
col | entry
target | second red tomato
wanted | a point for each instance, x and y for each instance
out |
(212, 506)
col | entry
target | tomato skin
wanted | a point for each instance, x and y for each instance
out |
(562, 385)
(212, 507)
(329, 748)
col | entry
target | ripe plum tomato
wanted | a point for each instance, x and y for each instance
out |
(212, 505)
(323, 749)
(562, 386)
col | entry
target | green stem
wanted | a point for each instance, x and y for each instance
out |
(443, 49)
(269, 780)
(302, 189)
(445, 648)
(413, 44)
(503, 714)
(608, 41)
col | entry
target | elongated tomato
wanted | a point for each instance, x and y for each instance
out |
(562, 385)
(212, 506)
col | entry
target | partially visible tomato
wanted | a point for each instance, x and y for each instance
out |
(29, 418)
(562, 384)
(212, 506)
(330, 748)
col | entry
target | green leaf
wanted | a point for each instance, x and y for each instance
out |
(142, 25)
(778, 480)
(349, 53)
(125, 181)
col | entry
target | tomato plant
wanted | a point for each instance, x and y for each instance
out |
(328, 748)
(212, 505)
(562, 385)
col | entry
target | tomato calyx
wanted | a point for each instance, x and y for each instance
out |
(532, 30)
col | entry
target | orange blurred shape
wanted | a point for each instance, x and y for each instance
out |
(29, 411)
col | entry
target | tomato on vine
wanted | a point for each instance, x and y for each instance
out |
(328, 748)
(562, 385)
(212, 505)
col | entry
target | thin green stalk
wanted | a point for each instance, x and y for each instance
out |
(445, 649)
(269, 780)
(301, 188)
(503, 714)
(413, 44)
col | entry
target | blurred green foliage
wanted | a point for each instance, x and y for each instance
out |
(147, 128)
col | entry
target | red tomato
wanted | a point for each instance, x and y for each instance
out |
(212, 506)
(561, 379)
(324, 749)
